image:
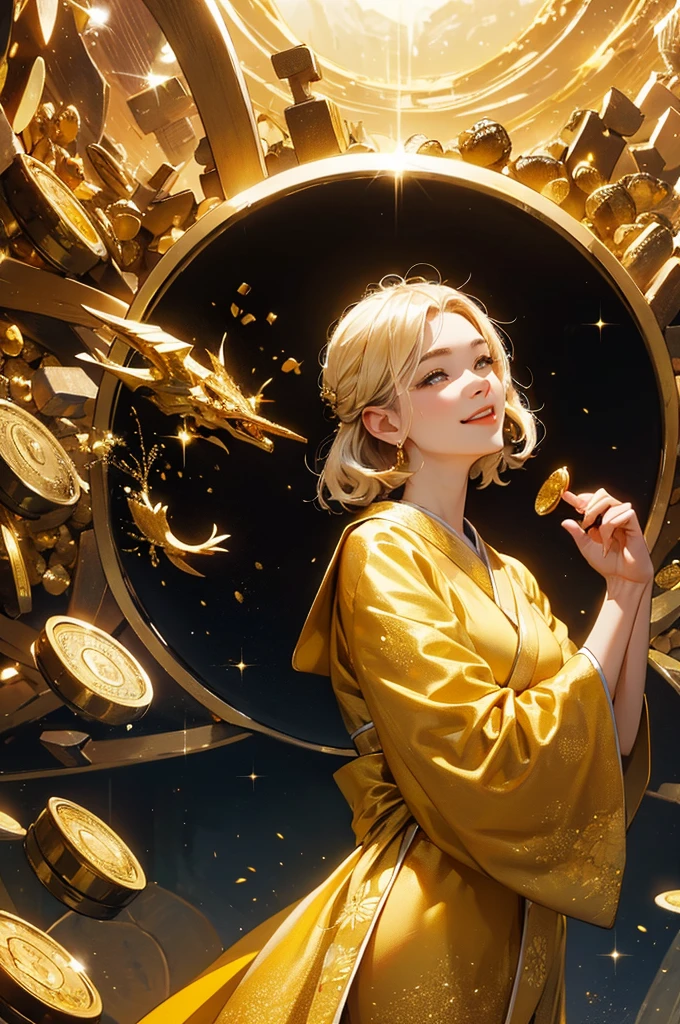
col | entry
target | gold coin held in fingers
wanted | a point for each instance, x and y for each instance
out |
(550, 494)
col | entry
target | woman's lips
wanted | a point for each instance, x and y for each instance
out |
(489, 418)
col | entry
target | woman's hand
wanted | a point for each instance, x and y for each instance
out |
(615, 548)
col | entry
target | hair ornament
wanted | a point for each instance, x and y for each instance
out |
(330, 397)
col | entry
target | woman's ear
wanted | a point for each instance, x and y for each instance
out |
(381, 423)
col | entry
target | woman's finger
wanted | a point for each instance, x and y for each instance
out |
(596, 506)
(579, 501)
(619, 522)
(605, 528)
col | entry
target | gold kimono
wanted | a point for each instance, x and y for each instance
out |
(488, 798)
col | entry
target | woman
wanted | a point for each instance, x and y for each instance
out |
(488, 796)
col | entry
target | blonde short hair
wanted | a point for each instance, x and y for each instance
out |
(374, 348)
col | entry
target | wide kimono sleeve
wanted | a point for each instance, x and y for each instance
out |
(637, 764)
(525, 787)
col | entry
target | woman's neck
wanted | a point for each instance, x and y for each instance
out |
(440, 491)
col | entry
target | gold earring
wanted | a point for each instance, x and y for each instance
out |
(400, 464)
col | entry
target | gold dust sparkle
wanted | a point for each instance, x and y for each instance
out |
(615, 955)
(253, 776)
(600, 323)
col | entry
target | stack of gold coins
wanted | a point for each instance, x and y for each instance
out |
(36, 474)
(40, 981)
(82, 861)
(91, 672)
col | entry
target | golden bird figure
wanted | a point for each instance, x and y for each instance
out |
(152, 520)
(182, 386)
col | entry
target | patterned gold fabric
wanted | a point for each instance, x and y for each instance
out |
(496, 805)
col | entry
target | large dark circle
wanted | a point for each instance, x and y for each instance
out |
(306, 256)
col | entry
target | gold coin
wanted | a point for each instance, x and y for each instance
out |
(9, 828)
(39, 968)
(65, 204)
(96, 844)
(668, 577)
(669, 900)
(550, 494)
(29, 101)
(101, 663)
(34, 455)
(15, 585)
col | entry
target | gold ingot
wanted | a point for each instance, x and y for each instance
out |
(668, 577)
(82, 861)
(40, 980)
(10, 828)
(36, 474)
(550, 494)
(91, 672)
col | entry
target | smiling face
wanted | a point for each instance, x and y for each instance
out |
(455, 379)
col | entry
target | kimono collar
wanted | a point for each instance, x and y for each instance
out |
(311, 652)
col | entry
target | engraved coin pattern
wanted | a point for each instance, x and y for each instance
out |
(64, 203)
(548, 497)
(98, 844)
(100, 663)
(37, 458)
(45, 969)
(668, 577)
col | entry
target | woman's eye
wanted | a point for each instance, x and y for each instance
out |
(432, 377)
(487, 360)
(435, 375)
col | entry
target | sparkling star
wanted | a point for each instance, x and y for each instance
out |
(615, 955)
(600, 323)
(240, 665)
(185, 437)
(252, 777)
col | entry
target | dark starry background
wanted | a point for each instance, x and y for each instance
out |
(201, 822)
